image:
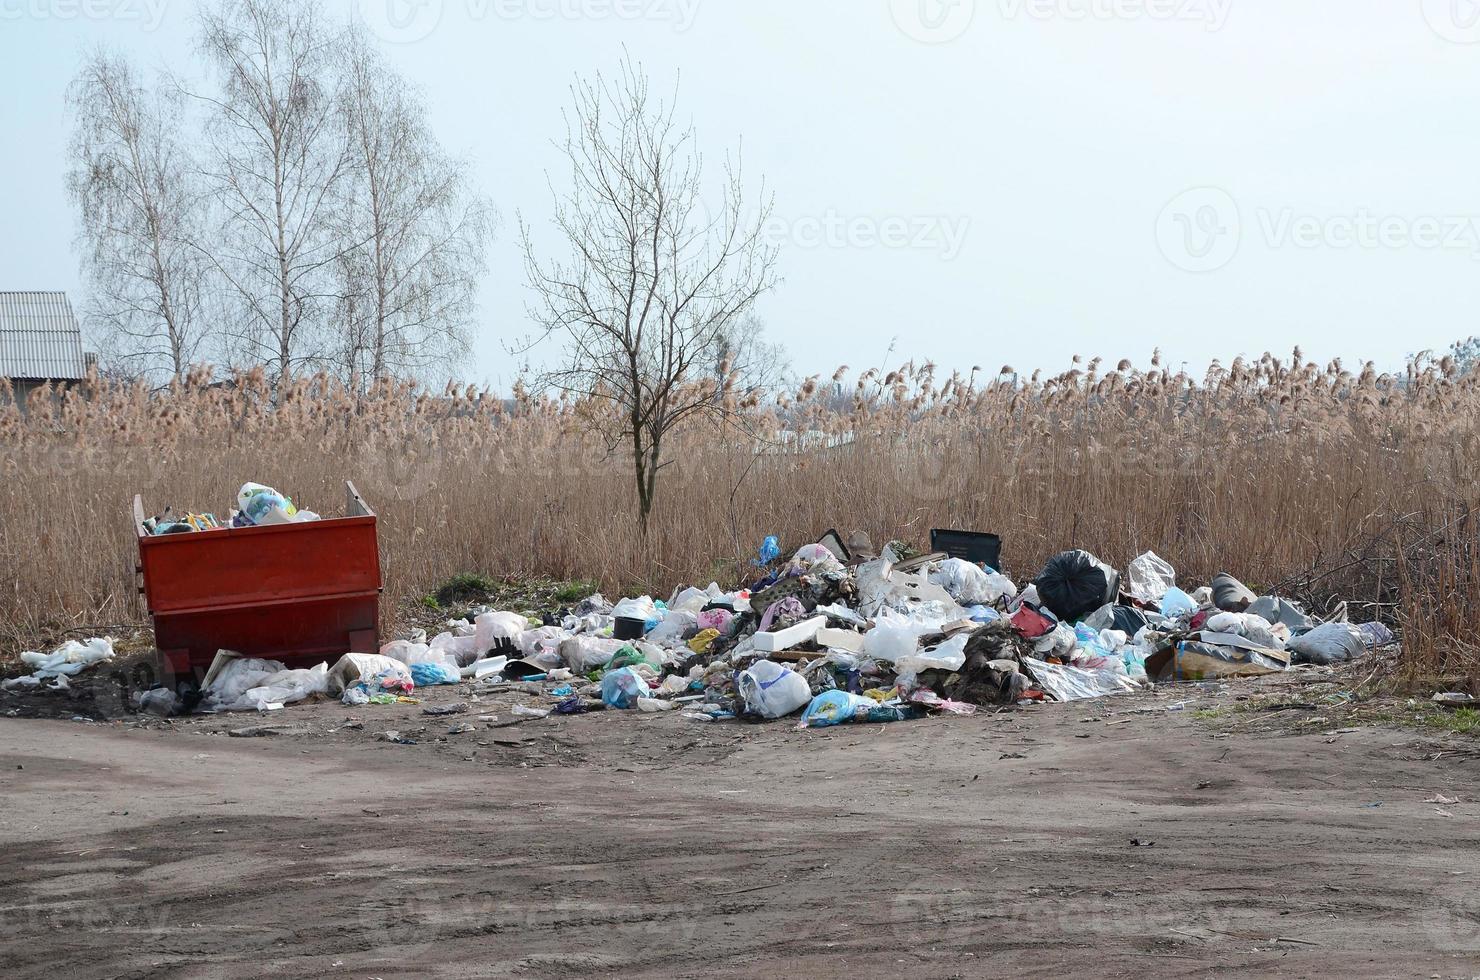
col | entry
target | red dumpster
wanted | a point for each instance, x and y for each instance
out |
(299, 593)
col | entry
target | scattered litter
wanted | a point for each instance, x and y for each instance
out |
(67, 660)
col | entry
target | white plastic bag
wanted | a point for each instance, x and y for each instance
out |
(462, 650)
(773, 691)
(949, 655)
(1150, 577)
(240, 675)
(669, 633)
(284, 687)
(969, 584)
(584, 654)
(642, 608)
(895, 636)
(493, 627)
(69, 659)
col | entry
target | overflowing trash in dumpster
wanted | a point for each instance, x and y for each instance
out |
(256, 506)
(834, 634)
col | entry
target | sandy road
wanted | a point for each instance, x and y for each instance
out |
(648, 845)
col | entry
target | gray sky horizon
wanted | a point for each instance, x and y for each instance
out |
(972, 182)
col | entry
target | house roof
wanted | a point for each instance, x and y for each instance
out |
(40, 337)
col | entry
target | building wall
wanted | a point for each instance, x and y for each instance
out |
(23, 388)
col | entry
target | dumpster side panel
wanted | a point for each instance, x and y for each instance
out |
(251, 566)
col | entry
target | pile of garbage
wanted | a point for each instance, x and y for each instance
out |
(835, 634)
(256, 506)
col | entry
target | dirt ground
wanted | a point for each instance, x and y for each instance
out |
(1156, 834)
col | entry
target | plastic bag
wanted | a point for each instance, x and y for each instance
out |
(1076, 583)
(69, 659)
(895, 637)
(1275, 610)
(770, 550)
(431, 674)
(771, 690)
(354, 667)
(241, 675)
(1231, 595)
(1332, 643)
(621, 688)
(1149, 577)
(716, 619)
(493, 628)
(949, 655)
(1079, 683)
(1255, 629)
(670, 632)
(642, 608)
(584, 654)
(283, 687)
(969, 584)
(1177, 603)
(263, 506)
(836, 707)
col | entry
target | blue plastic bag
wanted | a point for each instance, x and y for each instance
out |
(622, 687)
(1177, 603)
(770, 550)
(430, 674)
(836, 707)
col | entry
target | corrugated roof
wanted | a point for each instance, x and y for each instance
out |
(39, 337)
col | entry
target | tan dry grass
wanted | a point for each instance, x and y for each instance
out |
(1327, 482)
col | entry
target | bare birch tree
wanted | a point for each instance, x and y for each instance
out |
(406, 292)
(653, 280)
(135, 188)
(276, 158)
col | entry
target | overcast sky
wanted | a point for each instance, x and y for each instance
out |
(978, 183)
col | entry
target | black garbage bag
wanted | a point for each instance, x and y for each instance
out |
(1231, 595)
(1075, 584)
(1128, 620)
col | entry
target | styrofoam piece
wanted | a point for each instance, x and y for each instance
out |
(790, 637)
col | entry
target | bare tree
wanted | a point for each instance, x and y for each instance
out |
(406, 292)
(743, 357)
(653, 281)
(276, 159)
(137, 196)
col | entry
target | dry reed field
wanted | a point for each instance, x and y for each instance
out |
(1324, 483)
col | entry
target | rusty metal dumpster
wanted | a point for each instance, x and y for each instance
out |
(298, 593)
